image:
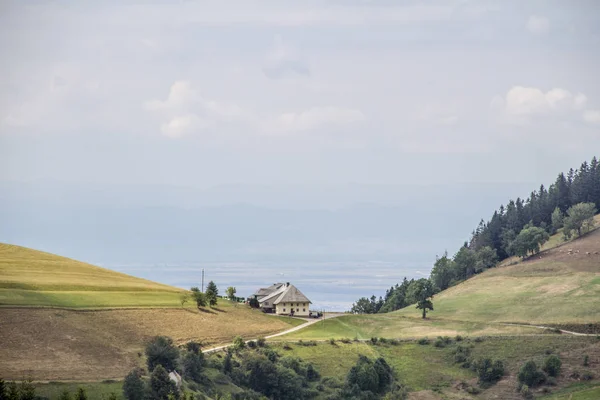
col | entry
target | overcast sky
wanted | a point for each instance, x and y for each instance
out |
(203, 93)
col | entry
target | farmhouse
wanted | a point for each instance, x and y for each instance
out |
(283, 299)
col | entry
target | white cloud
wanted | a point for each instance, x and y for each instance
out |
(181, 95)
(592, 116)
(315, 118)
(538, 25)
(182, 125)
(186, 111)
(524, 101)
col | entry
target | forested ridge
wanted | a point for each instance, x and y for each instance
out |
(518, 228)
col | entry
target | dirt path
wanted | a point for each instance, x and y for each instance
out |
(549, 327)
(294, 329)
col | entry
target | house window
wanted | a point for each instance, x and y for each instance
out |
(304, 309)
(297, 309)
(284, 310)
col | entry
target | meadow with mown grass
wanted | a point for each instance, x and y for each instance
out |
(555, 286)
(90, 323)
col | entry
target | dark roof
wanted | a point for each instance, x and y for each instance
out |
(291, 294)
(267, 291)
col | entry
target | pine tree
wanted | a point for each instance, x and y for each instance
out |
(212, 293)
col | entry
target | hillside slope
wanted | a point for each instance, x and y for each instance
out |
(33, 278)
(556, 286)
(95, 337)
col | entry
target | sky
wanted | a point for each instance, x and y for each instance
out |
(206, 93)
(346, 143)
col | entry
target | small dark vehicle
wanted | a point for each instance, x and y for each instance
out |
(315, 314)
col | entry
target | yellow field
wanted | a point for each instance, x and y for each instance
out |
(63, 319)
(23, 268)
(53, 344)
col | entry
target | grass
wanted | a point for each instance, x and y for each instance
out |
(34, 278)
(104, 344)
(553, 287)
(88, 299)
(579, 391)
(63, 319)
(423, 367)
(397, 326)
(412, 362)
(94, 390)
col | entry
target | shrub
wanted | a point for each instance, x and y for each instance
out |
(394, 342)
(332, 341)
(271, 354)
(525, 392)
(261, 341)
(551, 381)
(442, 341)
(461, 354)
(160, 385)
(586, 360)
(311, 373)
(374, 340)
(238, 343)
(530, 375)
(227, 364)
(552, 365)
(587, 376)
(160, 350)
(478, 339)
(383, 340)
(81, 395)
(193, 364)
(488, 371)
(251, 344)
(346, 340)
(287, 347)
(65, 395)
(133, 386)
(458, 338)
(423, 341)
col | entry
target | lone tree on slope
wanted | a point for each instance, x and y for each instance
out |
(422, 292)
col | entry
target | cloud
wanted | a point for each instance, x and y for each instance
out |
(538, 25)
(283, 60)
(521, 104)
(314, 118)
(523, 101)
(592, 116)
(182, 125)
(186, 111)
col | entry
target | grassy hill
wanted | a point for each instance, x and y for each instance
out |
(34, 278)
(556, 286)
(65, 319)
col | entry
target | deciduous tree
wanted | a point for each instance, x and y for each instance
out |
(580, 218)
(422, 292)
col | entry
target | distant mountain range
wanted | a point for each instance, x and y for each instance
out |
(161, 223)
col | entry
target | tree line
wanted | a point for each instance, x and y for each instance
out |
(518, 229)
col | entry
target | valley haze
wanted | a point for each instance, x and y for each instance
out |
(335, 241)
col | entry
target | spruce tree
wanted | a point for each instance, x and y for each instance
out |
(212, 293)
